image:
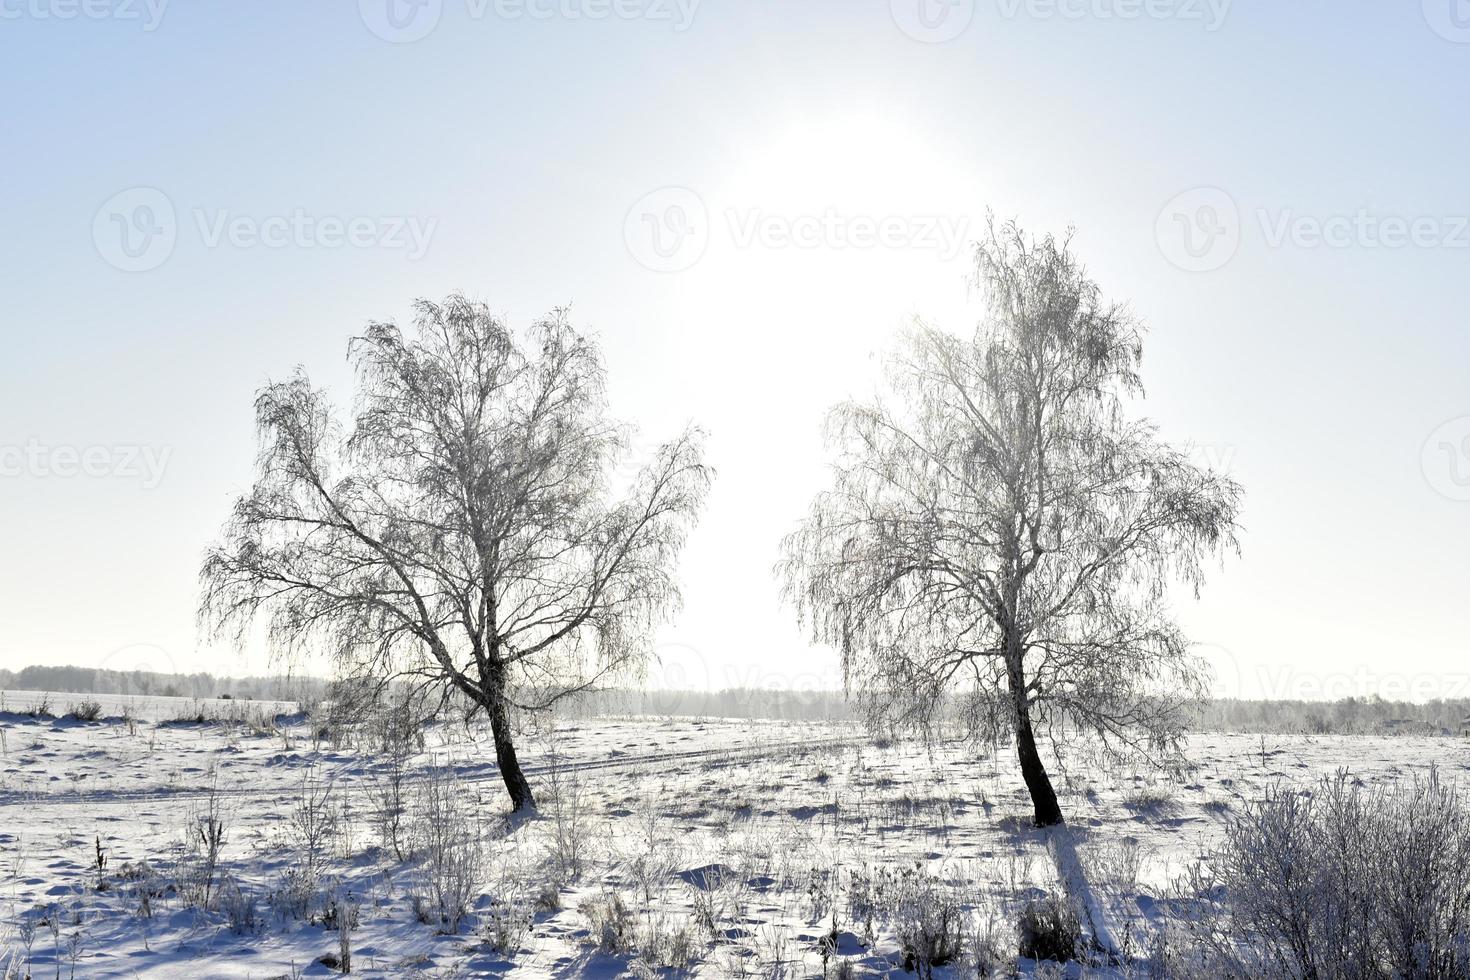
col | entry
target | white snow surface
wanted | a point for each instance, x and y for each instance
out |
(770, 816)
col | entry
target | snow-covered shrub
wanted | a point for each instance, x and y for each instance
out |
(38, 710)
(989, 950)
(652, 851)
(1048, 930)
(389, 793)
(1149, 799)
(449, 839)
(515, 896)
(204, 839)
(240, 908)
(295, 895)
(927, 919)
(1347, 882)
(377, 720)
(564, 801)
(1117, 863)
(666, 942)
(507, 923)
(609, 922)
(717, 898)
(862, 904)
(925, 912)
(84, 711)
(548, 897)
(312, 824)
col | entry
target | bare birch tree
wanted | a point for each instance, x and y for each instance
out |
(1001, 535)
(465, 532)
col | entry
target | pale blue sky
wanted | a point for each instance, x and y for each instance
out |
(518, 144)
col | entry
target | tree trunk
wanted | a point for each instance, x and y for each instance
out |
(1043, 798)
(505, 756)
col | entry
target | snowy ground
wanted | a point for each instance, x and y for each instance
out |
(713, 847)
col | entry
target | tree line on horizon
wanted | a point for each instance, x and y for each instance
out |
(1344, 716)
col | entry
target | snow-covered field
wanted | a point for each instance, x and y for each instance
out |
(724, 848)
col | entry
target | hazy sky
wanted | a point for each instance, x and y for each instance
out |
(744, 200)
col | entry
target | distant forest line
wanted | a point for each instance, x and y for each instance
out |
(1366, 715)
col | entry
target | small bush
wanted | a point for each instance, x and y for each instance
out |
(928, 921)
(609, 922)
(311, 826)
(1117, 863)
(1049, 930)
(340, 913)
(509, 916)
(195, 714)
(452, 847)
(41, 709)
(240, 908)
(1149, 800)
(507, 927)
(667, 943)
(548, 897)
(84, 711)
(1349, 881)
(570, 831)
(988, 950)
(925, 912)
(296, 894)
